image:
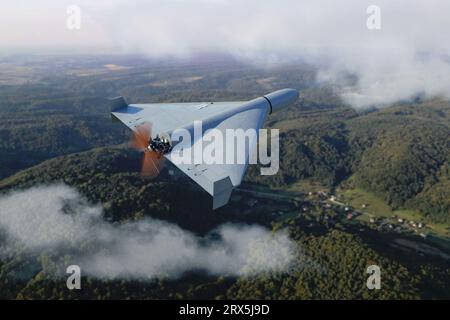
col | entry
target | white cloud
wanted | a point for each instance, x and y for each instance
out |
(56, 220)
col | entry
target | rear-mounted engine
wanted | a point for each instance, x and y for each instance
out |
(161, 145)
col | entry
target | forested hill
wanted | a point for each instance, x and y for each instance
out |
(401, 153)
(330, 261)
(53, 106)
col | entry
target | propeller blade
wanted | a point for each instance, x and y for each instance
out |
(152, 161)
(141, 136)
(152, 164)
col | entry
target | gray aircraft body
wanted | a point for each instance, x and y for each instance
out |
(165, 118)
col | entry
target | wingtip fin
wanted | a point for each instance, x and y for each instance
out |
(117, 103)
(222, 192)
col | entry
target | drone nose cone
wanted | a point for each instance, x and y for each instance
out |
(282, 98)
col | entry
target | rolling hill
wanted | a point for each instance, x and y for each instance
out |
(55, 128)
(324, 254)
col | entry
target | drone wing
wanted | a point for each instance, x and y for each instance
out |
(218, 179)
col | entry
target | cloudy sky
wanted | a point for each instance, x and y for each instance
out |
(411, 49)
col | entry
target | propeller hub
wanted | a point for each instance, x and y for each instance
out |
(152, 161)
(161, 145)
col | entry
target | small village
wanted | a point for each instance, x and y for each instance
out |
(322, 207)
(385, 224)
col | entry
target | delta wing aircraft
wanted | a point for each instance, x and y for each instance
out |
(166, 119)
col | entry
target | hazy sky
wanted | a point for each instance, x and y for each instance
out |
(247, 27)
(410, 49)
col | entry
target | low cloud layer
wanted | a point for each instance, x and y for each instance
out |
(408, 56)
(56, 220)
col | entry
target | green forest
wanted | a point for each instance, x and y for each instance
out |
(55, 127)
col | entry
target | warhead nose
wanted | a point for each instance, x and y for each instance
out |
(281, 98)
